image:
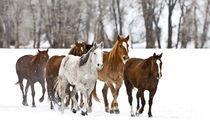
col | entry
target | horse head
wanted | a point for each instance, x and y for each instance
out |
(122, 47)
(156, 65)
(78, 49)
(41, 58)
(97, 55)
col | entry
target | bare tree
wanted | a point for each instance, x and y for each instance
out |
(4, 22)
(205, 25)
(171, 5)
(17, 18)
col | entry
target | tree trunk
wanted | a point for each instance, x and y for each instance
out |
(196, 29)
(205, 26)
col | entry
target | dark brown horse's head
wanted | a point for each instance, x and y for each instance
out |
(41, 58)
(156, 65)
(122, 47)
(78, 49)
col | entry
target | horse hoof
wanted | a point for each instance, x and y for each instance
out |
(111, 111)
(41, 100)
(74, 111)
(107, 110)
(150, 115)
(137, 114)
(132, 115)
(117, 111)
(84, 113)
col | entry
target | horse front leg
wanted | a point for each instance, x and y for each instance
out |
(74, 100)
(140, 94)
(84, 108)
(25, 103)
(114, 102)
(151, 95)
(42, 82)
(33, 94)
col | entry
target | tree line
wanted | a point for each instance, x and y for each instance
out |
(61, 22)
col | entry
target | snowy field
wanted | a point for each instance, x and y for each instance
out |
(180, 106)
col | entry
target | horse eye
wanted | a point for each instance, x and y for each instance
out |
(94, 53)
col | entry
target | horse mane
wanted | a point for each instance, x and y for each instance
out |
(146, 62)
(113, 52)
(89, 46)
(84, 58)
(73, 50)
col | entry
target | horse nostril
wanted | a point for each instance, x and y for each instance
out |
(98, 65)
(124, 57)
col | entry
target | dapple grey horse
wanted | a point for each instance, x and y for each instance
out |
(81, 73)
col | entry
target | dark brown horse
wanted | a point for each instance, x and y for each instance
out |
(53, 67)
(143, 74)
(112, 72)
(32, 68)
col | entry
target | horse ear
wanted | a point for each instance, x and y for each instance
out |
(84, 44)
(102, 45)
(39, 51)
(118, 37)
(47, 50)
(154, 54)
(75, 43)
(161, 55)
(127, 38)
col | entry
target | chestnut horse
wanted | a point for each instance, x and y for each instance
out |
(112, 72)
(32, 68)
(143, 74)
(53, 67)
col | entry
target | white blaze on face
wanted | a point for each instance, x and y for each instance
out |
(125, 45)
(82, 48)
(158, 63)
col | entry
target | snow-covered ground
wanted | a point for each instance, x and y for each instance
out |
(180, 109)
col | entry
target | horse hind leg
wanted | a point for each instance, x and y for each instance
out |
(129, 88)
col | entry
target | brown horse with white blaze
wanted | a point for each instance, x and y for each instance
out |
(143, 74)
(32, 68)
(112, 72)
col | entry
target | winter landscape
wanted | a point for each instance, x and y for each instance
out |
(180, 109)
(181, 104)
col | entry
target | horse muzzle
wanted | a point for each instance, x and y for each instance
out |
(100, 66)
(125, 59)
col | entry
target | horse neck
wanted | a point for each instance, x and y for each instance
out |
(91, 65)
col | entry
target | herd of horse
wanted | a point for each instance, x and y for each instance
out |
(78, 72)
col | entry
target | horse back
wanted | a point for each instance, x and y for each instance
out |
(53, 66)
(133, 72)
(23, 65)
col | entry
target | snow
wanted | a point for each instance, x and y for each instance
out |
(180, 106)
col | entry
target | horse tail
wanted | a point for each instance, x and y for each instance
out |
(95, 97)
(17, 83)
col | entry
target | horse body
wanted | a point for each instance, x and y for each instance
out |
(112, 72)
(144, 75)
(81, 73)
(32, 68)
(53, 66)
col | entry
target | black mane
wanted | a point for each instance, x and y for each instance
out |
(84, 58)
